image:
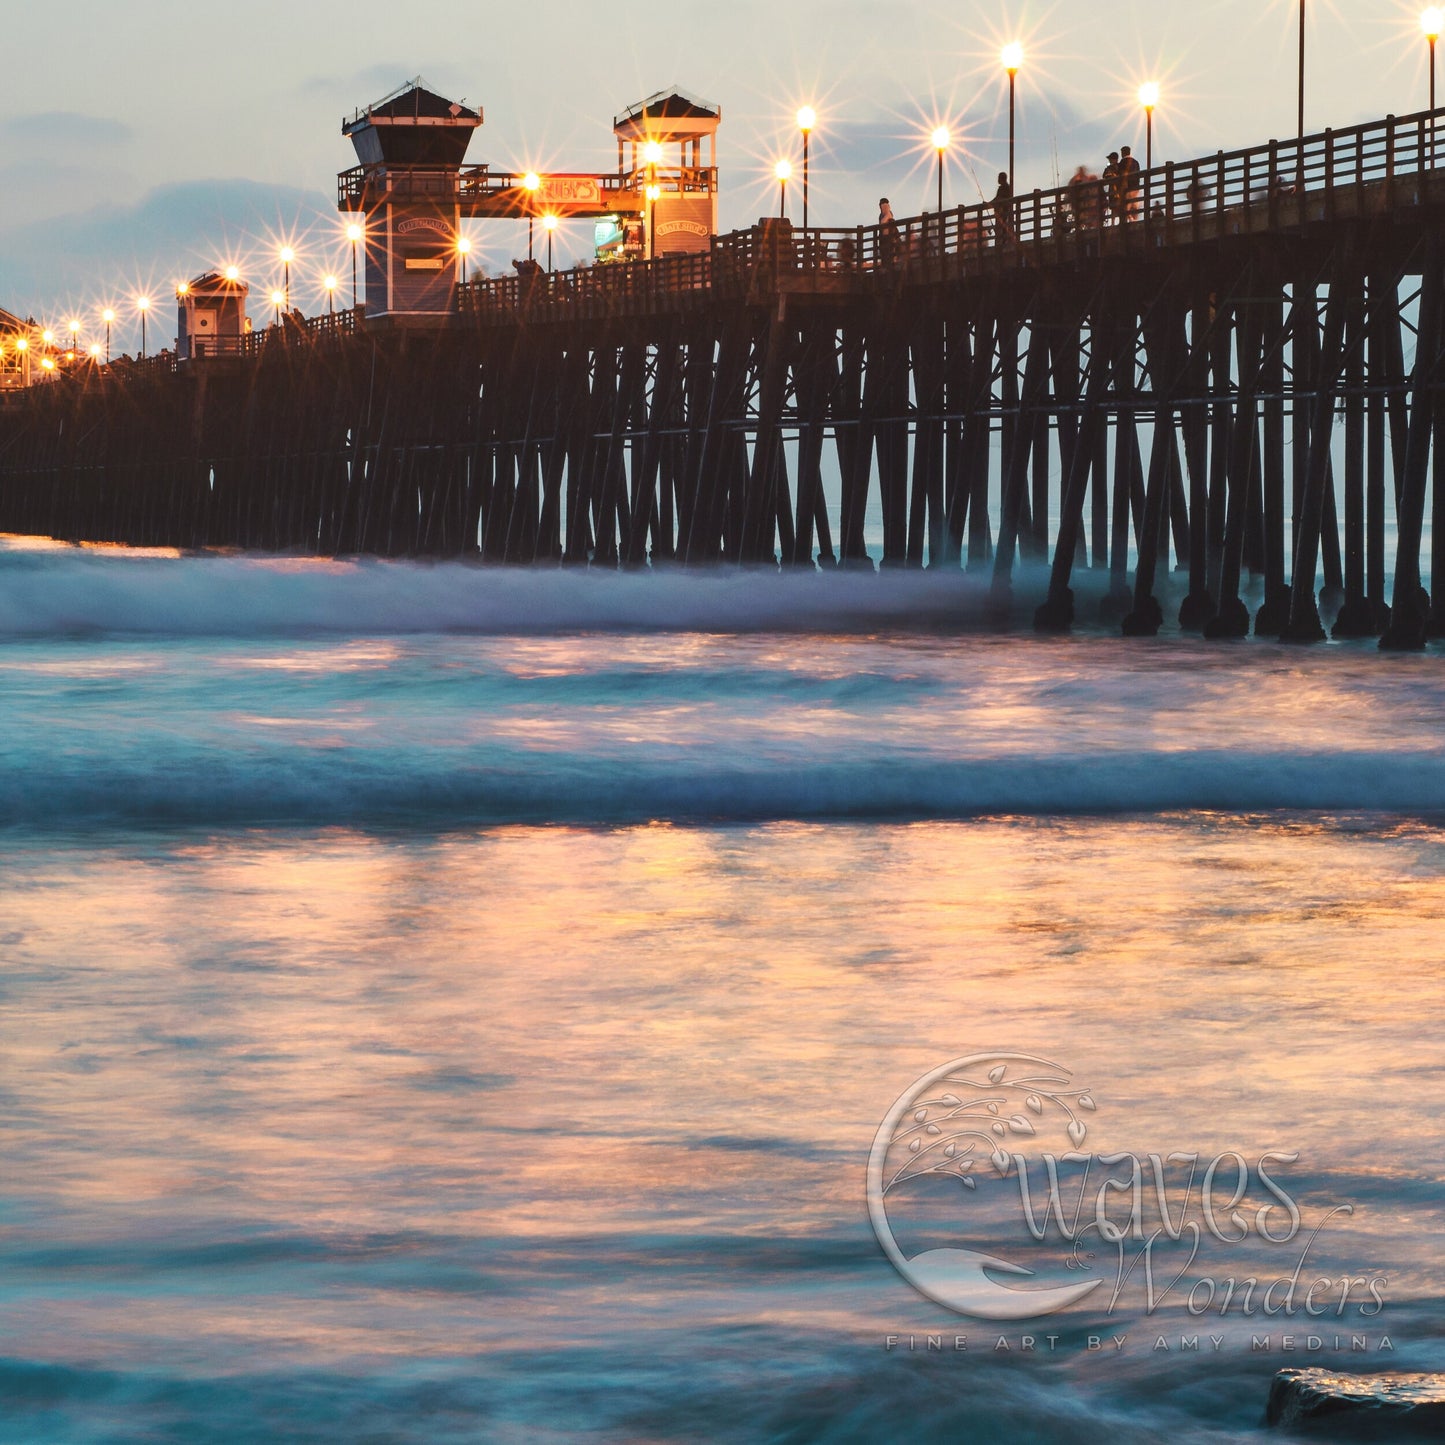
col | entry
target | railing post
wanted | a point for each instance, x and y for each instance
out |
(1329, 178)
(1272, 187)
(1038, 214)
(1389, 161)
(1169, 192)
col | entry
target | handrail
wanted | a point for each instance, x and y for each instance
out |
(1230, 192)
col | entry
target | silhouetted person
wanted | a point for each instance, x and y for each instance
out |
(1113, 187)
(1196, 193)
(1003, 211)
(1129, 181)
(1085, 198)
(888, 240)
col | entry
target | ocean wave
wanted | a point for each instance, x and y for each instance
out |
(55, 591)
(435, 786)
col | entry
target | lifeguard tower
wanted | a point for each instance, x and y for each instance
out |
(679, 189)
(210, 315)
(410, 145)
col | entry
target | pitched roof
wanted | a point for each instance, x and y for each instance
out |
(672, 104)
(414, 101)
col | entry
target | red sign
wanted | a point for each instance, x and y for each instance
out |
(569, 191)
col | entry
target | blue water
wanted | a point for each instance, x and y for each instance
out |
(439, 1004)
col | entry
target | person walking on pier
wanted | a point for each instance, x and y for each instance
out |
(888, 238)
(1085, 199)
(1113, 188)
(1003, 211)
(1129, 182)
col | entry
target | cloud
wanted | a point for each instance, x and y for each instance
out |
(105, 252)
(53, 130)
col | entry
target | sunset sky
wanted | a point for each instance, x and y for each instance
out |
(139, 142)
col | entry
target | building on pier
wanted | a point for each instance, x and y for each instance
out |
(410, 145)
(14, 351)
(211, 315)
(411, 189)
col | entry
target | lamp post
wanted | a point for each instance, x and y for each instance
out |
(653, 192)
(73, 325)
(108, 316)
(940, 144)
(330, 283)
(807, 119)
(1012, 56)
(143, 304)
(464, 249)
(549, 225)
(277, 298)
(531, 183)
(354, 233)
(1432, 22)
(287, 257)
(783, 170)
(1149, 98)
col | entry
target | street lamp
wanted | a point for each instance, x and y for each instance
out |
(653, 192)
(1149, 98)
(143, 304)
(464, 248)
(549, 225)
(940, 144)
(807, 119)
(287, 257)
(73, 325)
(330, 283)
(1432, 22)
(783, 171)
(531, 183)
(277, 300)
(354, 234)
(233, 274)
(1012, 56)
(108, 316)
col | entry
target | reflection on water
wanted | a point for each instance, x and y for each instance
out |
(523, 1132)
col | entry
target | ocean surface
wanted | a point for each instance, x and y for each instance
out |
(444, 1005)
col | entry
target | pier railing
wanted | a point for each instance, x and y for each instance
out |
(1361, 170)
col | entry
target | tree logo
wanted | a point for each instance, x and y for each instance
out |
(948, 1125)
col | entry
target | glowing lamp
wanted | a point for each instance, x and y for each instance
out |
(233, 273)
(107, 315)
(287, 254)
(354, 233)
(1149, 95)
(21, 344)
(549, 222)
(48, 364)
(652, 152)
(940, 138)
(48, 336)
(277, 297)
(1432, 22)
(330, 283)
(94, 352)
(807, 119)
(653, 192)
(531, 181)
(143, 303)
(783, 170)
(464, 245)
(1012, 56)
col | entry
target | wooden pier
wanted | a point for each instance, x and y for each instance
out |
(1242, 374)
